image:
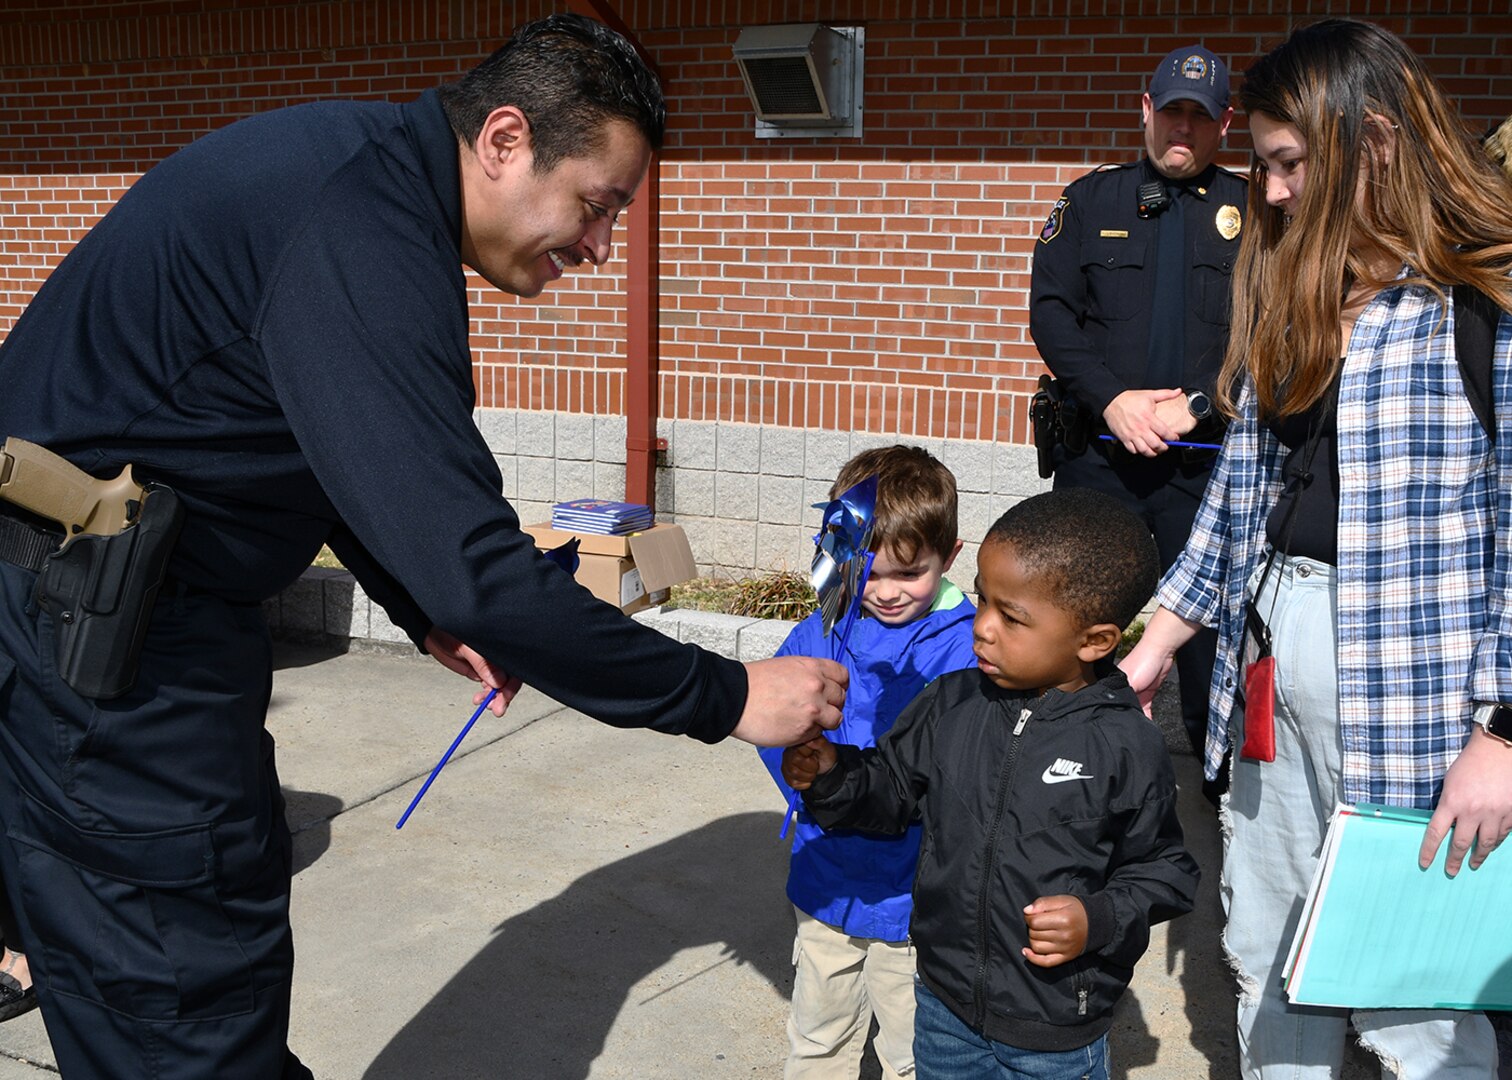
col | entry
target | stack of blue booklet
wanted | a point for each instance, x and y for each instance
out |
(601, 517)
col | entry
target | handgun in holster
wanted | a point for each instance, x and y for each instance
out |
(1057, 419)
(100, 585)
(1044, 423)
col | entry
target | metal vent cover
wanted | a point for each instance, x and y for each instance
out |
(802, 78)
(786, 88)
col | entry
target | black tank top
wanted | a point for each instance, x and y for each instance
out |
(1305, 520)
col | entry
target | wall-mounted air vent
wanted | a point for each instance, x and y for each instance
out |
(804, 79)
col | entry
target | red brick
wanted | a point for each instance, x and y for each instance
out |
(897, 259)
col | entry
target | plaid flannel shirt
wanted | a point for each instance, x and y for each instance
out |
(1425, 549)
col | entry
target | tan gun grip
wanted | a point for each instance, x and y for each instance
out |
(38, 480)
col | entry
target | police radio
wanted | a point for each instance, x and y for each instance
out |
(1153, 198)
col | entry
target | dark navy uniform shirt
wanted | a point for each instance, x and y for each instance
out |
(1093, 285)
(273, 321)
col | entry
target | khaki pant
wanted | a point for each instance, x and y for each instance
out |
(839, 983)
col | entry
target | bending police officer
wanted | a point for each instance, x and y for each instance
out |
(1129, 308)
(273, 324)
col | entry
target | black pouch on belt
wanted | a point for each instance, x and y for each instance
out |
(100, 590)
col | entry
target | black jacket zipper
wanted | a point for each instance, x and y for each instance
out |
(1010, 766)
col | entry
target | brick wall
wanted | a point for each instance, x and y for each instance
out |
(873, 285)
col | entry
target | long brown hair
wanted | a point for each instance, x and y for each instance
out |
(1429, 199)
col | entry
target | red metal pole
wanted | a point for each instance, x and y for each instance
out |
(642, 367)
(642, 248)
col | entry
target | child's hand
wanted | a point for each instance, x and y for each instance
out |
(1057, 930)
(802, 763)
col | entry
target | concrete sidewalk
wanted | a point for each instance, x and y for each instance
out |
(574, 901)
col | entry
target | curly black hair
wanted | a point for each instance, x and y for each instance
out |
(1095, 559)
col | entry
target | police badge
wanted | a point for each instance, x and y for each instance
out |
(1228, 221)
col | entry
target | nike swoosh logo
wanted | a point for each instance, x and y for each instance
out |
(1054, 778)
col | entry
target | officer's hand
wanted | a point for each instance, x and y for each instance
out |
(791, 699)
(1173, 412)
(1133, 419)
(452, 654)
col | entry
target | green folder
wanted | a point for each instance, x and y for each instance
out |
(1377, 932)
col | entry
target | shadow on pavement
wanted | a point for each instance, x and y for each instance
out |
(291, 653)
(1207, 985)
(540, 1000)
(309, 814)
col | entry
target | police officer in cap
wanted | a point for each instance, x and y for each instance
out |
(1129, 307)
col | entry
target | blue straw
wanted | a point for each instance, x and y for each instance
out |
(1190, 445)
(850, 620)
(450, 750)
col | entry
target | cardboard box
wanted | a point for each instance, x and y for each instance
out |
(631, 572)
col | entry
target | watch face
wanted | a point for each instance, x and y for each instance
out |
(1500, 723)
(1199, 404)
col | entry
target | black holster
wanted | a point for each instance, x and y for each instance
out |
(100, 590)
(1044, 422)
(1057, 419)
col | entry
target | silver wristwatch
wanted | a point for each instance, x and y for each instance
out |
(1199, 405)
(1496, 721)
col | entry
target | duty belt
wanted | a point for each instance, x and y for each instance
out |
(24, 543)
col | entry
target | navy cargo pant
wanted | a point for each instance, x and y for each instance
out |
(146, 849)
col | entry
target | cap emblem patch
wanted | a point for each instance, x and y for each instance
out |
(1194, 67)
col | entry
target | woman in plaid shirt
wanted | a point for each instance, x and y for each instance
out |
(1355, 457)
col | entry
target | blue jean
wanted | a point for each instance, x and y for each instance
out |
(1275, 818)
(947, 1049)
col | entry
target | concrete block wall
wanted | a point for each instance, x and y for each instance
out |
(329, 604)
(745, 493)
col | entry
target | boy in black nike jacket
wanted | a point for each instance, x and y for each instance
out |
(1051, 842)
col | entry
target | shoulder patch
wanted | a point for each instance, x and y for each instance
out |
(1053, 222)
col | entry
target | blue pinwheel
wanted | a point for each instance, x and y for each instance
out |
(842, 564)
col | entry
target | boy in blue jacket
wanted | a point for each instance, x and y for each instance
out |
(851, 891)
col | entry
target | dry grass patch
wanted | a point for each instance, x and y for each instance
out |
(781, 594)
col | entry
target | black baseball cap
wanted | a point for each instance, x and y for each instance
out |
(1191, 73)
